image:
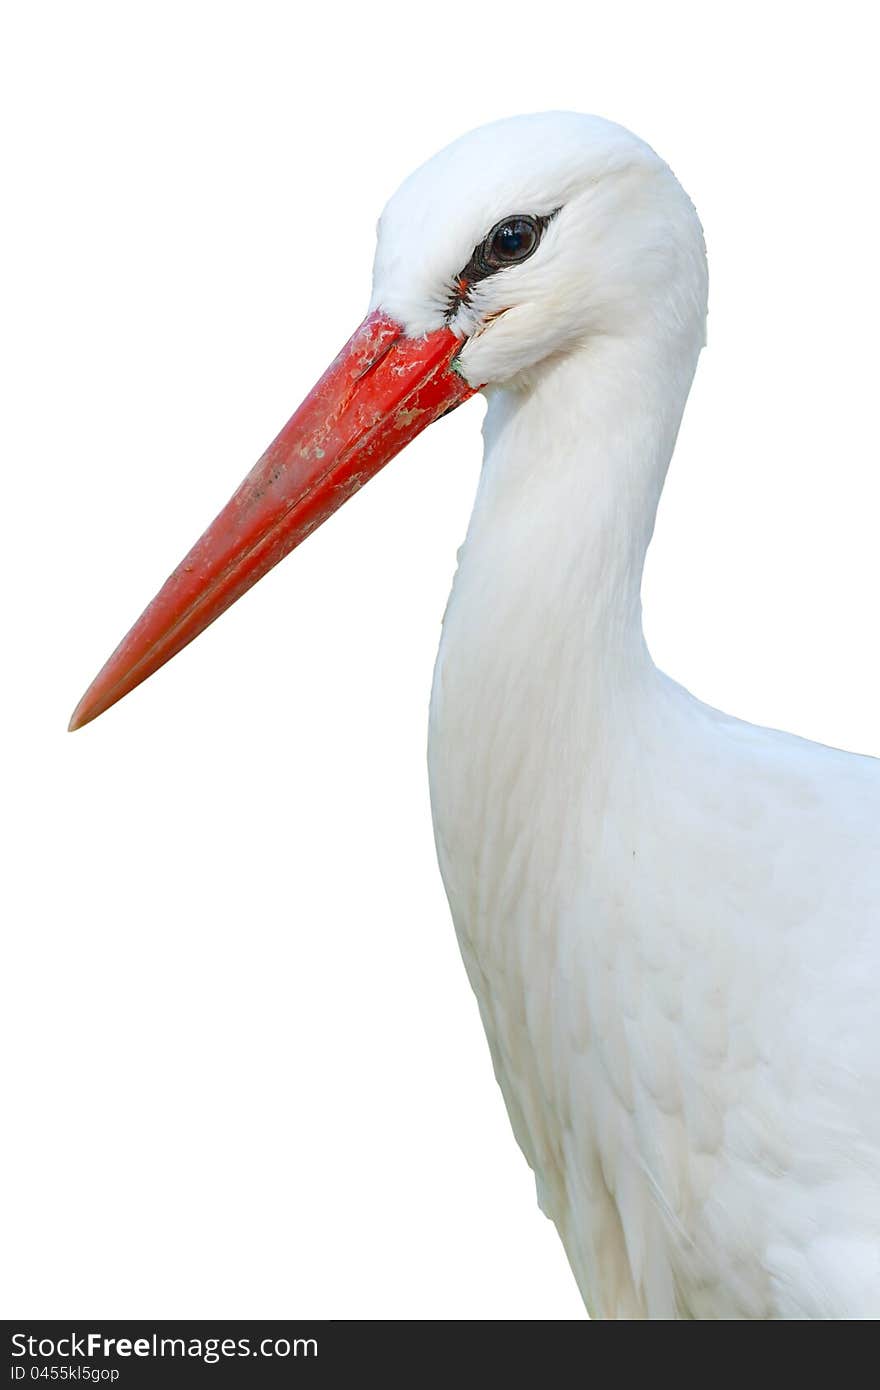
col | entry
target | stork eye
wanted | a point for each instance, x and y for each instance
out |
(512, 240)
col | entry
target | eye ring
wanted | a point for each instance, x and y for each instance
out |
(510, 242)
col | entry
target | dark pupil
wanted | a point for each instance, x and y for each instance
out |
(513, 240)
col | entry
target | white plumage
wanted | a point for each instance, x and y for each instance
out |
(670, 918)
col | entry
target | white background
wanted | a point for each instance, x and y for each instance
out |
(244, 1071)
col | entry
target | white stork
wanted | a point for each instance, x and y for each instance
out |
(670, 919)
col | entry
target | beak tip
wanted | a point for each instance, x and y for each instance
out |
(76, 721)
(84, 713)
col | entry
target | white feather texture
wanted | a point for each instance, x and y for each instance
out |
(669, 917)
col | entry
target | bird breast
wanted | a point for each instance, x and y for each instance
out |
(663, 914)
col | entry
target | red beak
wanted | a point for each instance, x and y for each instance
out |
(381, 391)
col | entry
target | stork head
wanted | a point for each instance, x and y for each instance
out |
(515, 245)
(533, 234)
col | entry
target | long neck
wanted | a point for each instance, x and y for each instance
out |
(547, 596)
(543, 677)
